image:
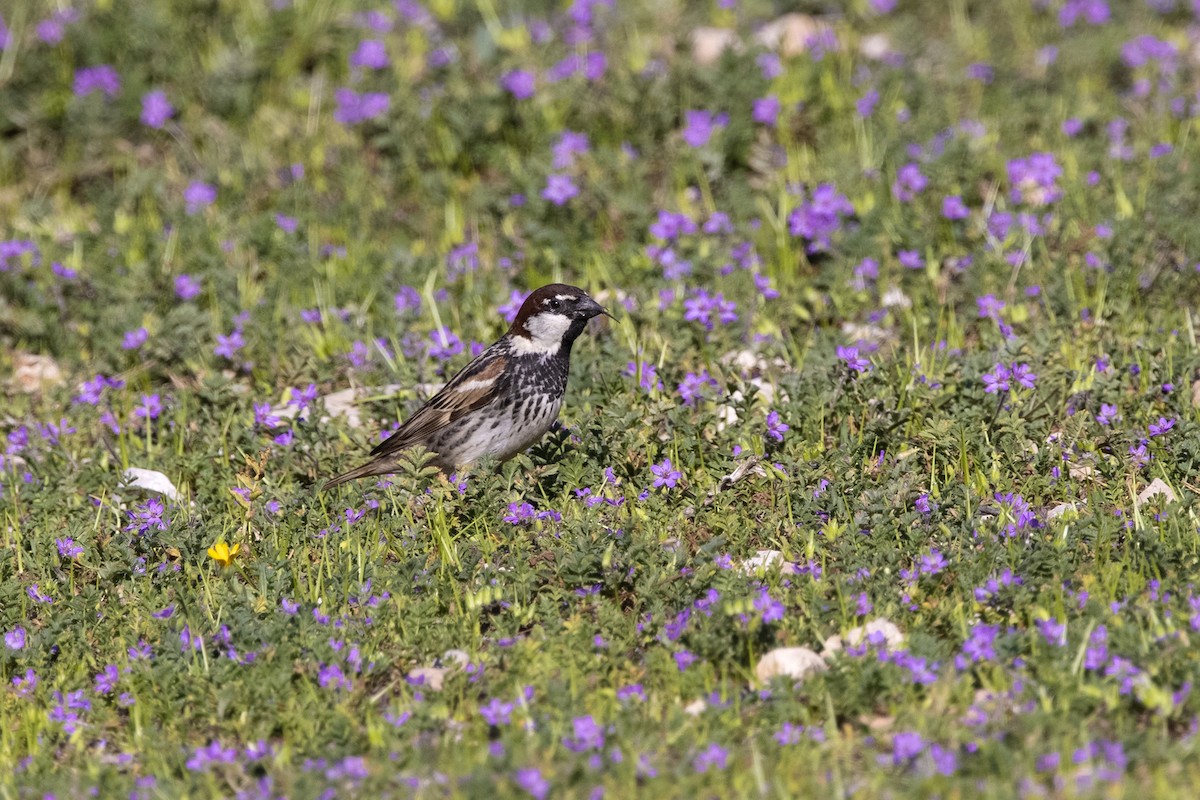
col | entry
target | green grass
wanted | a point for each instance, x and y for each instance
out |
(906, 491)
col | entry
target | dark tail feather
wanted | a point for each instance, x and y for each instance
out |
(365, 471)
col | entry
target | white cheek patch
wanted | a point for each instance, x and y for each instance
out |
(545, 334)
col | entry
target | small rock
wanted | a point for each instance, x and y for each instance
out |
(895, 298)
(794, 662)
(709, 43)
(33, 373)
(1196, 394)
(1082, 472)
(893, 638)
(876, 47)
(764, 560)
(456, 657)
(430, 677)
(1061, 509)
(344, 403)
(152, 481)
(791, 34)
(1157, 487)
(695, 708)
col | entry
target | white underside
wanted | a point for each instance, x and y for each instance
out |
(507, 437)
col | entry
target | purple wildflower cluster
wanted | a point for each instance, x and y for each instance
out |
(819, 216)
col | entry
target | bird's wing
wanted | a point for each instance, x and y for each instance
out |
(478, 384)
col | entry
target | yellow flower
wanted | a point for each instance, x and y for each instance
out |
(223, 554)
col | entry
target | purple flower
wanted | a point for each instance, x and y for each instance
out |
(519, 513)
(50, 30)
(979, 71)
(865, 105)
(331, 676)
(684, 659)
(1108, 415)
(559, 189)
(1144, 49)
(712, 757)
(530, 779)
(1053, 631)
(156, 109)
(1034, 179)
(633, 690)
(933, 562)
(909, 183)
(589, 735)
(776, 427)
(766, 110)
(107, 679)
(693, 386)
(699, 126)
(569, 145)
(671, 226)
(665, 475)
(1022, 375)
(771, 609)
(289, 607)
(996, 380)
(100, 78)
(371, 54)
(25, 684)
(408, 300)
(214, 753)
(906, 746)
(134, 339)
(1161, 427)
(910, 259)
(953, 207)
(519, 83)
(1094, 12)
(149, 516)
(354, 108)
(770, 65)
(186, 287)
(286, 224)
(496, 712)
(15, 639)
(443, 344)
(702, 307)
(819, 217)
(150, 407)
(228, 346)
(595, 64)
(850, 355)
(198, 196)
(509, 310)
(980, 645)
(989, 306)
(67, 548)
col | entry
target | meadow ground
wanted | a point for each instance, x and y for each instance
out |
(921, 276)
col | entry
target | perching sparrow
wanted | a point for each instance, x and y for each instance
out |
(505, 399)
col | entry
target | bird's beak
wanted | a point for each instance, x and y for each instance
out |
(593, 309)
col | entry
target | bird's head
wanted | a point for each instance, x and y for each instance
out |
(552, 318)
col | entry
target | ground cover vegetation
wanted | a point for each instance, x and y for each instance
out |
(904, 372)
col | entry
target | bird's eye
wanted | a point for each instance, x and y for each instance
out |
(556, 304)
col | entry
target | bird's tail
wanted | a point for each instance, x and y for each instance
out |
(365, 471)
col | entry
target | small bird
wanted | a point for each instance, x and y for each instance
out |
(505, 399)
